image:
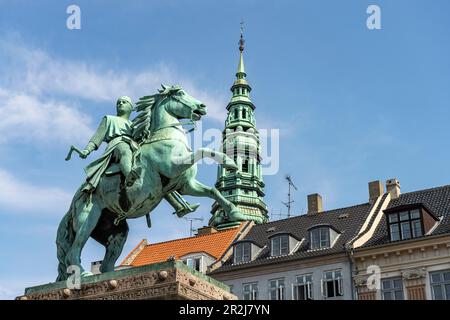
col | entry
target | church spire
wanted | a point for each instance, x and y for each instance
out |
(241, 69)
(244, 188)
(240, 88)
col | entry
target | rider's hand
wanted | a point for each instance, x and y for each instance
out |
(84, 154)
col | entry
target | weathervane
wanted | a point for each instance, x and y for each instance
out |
(242, 41)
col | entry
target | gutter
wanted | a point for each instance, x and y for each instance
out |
(351, 261)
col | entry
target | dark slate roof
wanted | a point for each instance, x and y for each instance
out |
(347, 221)
(436, 200)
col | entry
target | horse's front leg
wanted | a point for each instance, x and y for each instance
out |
(198, 189)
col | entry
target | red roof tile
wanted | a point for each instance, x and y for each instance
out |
(214, 244)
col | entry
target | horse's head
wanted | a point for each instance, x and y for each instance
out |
(181, 105)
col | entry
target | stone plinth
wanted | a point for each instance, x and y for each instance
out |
(170, 280)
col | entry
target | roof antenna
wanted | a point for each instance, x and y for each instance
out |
(191, 220)
(288, 204)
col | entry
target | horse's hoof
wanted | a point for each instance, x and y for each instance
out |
(231, 166)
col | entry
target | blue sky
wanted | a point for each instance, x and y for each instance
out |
(352, 105)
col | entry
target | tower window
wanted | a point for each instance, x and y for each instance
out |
(244, 113)
(245, 165)
(236, 113)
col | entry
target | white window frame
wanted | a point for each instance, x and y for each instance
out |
(253, 290)
(191, 260)
(320, 231)
(307, 287)
(338, 289)
(280, 245)
(280, 290)
(242, 257)
(442, 283)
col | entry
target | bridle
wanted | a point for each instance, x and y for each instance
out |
(175, 125)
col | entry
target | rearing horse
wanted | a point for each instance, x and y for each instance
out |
(166, 164)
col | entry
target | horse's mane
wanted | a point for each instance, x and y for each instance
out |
(142, 124)
(143, 121)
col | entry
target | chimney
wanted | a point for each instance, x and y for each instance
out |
(375, 190)
(393, 187)
(95, 267)
(206, 230)
(314, 203)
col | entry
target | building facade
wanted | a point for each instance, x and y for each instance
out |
(408, 254)
(305, 257)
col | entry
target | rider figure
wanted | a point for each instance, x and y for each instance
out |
(116, 131)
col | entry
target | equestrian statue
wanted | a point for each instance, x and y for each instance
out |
(146, 160)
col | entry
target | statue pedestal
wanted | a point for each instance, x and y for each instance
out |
(170, 280)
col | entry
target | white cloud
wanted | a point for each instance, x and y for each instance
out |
(43, 75)
(28, 198)
(31, 119)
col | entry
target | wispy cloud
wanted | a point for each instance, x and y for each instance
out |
(27, 198)
(31, 119)
(40, 74)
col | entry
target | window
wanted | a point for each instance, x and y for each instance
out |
(245, 165)
(276, 289)
(405, 225)
(194, 263)
(244, 114)
(303, 289)
(440, 285)
(250, 291)
(242, 252)
(320, 238)
(392, 289)
(236, 113)
(332, 284)
(279, 245)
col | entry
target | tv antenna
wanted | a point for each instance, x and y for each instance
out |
(191, 220)
(280, 215)
(290, 201)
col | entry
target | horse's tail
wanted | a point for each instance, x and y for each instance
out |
(64, 240)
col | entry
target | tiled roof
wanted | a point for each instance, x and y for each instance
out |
(214, 244)
(437, 200)
(347, 221)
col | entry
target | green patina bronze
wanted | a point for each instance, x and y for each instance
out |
(243, 187)
(146, 160)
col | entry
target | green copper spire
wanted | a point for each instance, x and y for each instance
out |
(241, 70)
(245, 189)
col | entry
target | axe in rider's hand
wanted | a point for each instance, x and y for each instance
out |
(72, 149)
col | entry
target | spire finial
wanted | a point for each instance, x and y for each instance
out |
(242, 41)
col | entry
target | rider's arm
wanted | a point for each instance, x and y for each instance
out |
(97, 138)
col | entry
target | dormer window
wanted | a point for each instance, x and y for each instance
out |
(322, 237)
(279, 245)
(242, 252)
(409, 222)
(245, 251)
(194, 263)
